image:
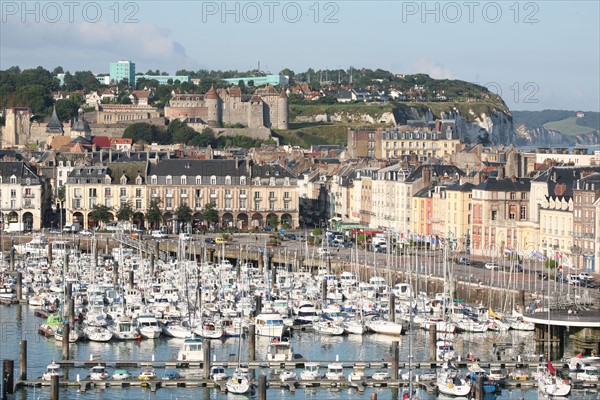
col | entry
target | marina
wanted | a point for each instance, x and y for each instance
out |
(187, 320)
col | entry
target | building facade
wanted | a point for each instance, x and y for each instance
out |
(122, 69)
(22, 196)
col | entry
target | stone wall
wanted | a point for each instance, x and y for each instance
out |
(261, 133)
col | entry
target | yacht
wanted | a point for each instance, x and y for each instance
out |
(311, 371)
(335, 372)
(550, 384)
(328, 328)
(444, 350)
(218, 374)
(123, 329)
(209, 330)
(269, 325)
(191, 350)
(53, 369)
(280, 350)
(148, 326)
(238, 383)
(98, 373)
(450, 383)
(121, 374)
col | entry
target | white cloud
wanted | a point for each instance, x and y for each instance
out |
(91, 46)
(433, 69)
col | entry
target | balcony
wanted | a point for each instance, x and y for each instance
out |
(243, 196)
(28, 195)
(169, 195)
(183, 195)
(154, 195)
(229, 196)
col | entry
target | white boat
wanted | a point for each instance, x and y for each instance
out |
(450, 383)
(588, 373)
(306, 314)
(191, 350)
(98, 373)
(496, 375)
(550, 384)
(444, 350)
(310, 372)
(37, 247)
(287, 375)
(269, 325)
(384, 327)
(53, 369)
(177, 330)
(123, 329)
(218, 374)
(441, 326)
(209, 330)
(519, 325)
(328, 328)
(353, 327)
(97, 333)
(73, 335)
(121, 374)
(335, 372)
(380, 376)
(148, 326)
(280, 350)
(238, 383)
(358, 373)
(147, 375)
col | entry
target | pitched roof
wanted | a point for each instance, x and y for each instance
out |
(505, 185)
(54, 125)
(101, 141)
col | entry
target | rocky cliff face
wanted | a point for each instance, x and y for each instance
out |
(469, 123)
(540, 136)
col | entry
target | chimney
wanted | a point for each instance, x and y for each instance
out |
(101, 155)
(438, 125)
(500, 173)
(426, 174)
(110, 154)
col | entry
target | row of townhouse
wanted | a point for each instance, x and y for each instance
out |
(554, 215)
(246, 195)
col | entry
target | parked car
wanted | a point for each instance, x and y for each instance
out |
(322, 251)
(267, 228)
(159, 235)
(290, 236)
(585, 276)
(464, 261)
(491, 266)
(210, 241)
(86, 232)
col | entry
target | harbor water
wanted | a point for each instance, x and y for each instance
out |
(19, 323)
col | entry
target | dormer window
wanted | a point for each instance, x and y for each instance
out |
(68, 163)
(257, 181)
(286, 181)
(123, 180)
(184, 180)
(107, 180)
(198, 180)
(138, 180)
(213, 180)
(242, 180)
(153, 180)
(60, 163)
(169, 180)
(13, 179)
(228, 180)
(272, 181)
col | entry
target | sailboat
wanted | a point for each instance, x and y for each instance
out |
(239, 382)
(550, 384)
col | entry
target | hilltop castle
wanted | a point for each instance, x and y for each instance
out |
(265, 108)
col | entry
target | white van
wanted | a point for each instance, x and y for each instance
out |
(159, 235)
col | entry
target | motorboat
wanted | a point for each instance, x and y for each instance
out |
(280, 350)
(238, 383)
(354, 327)
(328, 328)
(73, 335)
(170, 375)
(310, 372)
(287, 375)
(98, 373)
(209, 330)
(147, 375)
(177, 330)
(53, 369)
(497, 376)
(121, 374)
(269, 325)
(306, 314)
(218, 374)
(148, 326)
(335, 372)
(358, 373)
(380, 376)
(191, 350)
(124, 329)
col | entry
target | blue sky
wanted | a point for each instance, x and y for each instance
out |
(539, 55)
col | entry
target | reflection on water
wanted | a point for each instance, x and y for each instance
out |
(18, 323)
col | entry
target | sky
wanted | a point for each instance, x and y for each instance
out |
(536, 54)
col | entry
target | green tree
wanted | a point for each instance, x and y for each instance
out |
(180, 132)
(146, 133)
(204, 138)
(66, 109)
(273, 221)
(209, 213)
(183, 213)
(154, 215)
(100, 214)
(36, 97)
(125, 212)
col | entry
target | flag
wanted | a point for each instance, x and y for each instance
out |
(566, 262)
(507, 251)
(580, 355)
(551, 368)
(536, 255)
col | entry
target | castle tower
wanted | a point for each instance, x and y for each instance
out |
(81, 127)
(282, 110)
(17, 126)
(54, 126)
(213, 107)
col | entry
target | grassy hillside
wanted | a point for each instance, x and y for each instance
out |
(568, 126)
(375, 111)
(307, 134)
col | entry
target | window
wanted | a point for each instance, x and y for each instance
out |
(494, 215)
(154, 192)
(228, 180)
(272, 181)
(169, 180)
(13, 179)
(198, 193)
(242, 192)
(138, 180)
(286, 195)
(523, 195)
(242, 204)
(92, 202)
(198, 180)
(228, 204)
(169, 192)
(183, 192)
(138, 192)
(271, 205)
(123, 192)
(169, 203)
(213, 192)
(184, 180)
(92, 192)
(138, 204)
(153, 179)
(257, 205)
(242, 180)
(257, 195)
(107, 192)
(123, 180)
(513, 195)
(213, 180)
(286, 205)
(77, 204)
(271, 195)
(77, 192)
(523, 213)
(227, 192)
